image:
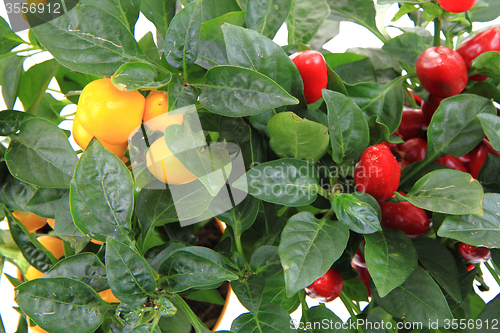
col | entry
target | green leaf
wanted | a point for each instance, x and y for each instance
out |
(211, 30)
(266, 261)
(101, 194)
(40, 142)
(473, 229)
(491, 127)
(50, 108)
(194, 267)
(249, 49)
(271, 318)
(408, 184)
(357, 71)
(308, 248)
(447, 191)
(390, 259)
(47, 301)
(160, 13)
(95, 48)
(180, 95)
(406, 48)
(355, 290)
(329, 29)
(34, 83)
(249, 292)
(237, 92)
(211, 54)
(241, 217)
(85, 267)
(45, 200)
(490, 171)
(357, 215)
(14, 194)
(11, 69)
(490, 314)
(287, 181)
(305, 19)
(209, 296)
(275, 292)
(485, 89)
(183, 37)
(138, 75)
(35, 257)
(294, 137)
(484, 11)
(130, 276)
(267, 16)
(384, 101)
(125, 10)
(487, 64)
(8, 39)
(64, 227)
(149, 47)
(347, 126)
(440, 264)
(70, 82)
(454, 128)
(418, 300)
(358, 11)
(317, 314)
(376, 317)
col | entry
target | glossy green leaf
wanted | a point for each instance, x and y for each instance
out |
(487, 64)
(294, 137)
(358, 11)
(490, 171)
(145, 328)
(491, 127)
(101, 194)
(50, 108)
(490, 315)
(51, 302)
(237, 92)
(440, 264)
(318, 314)
(211, 54)
(249, 49)
(180, 95)
(14, 194)
(454, 128)
(211, 30)
(85, 267)
(183, 36)
(148, 46)
(275, 293)
(138, 75)
(241, 217)
(348, 128)
(194, 267)
(447, 191)
(390, 259)
(329, 29)
(305, 19)
(270, 319)
(249, 292)
(160, 13)
(11, 68)
(266, 261)
(308, 248)
(384, 101)
(64, 227)
(485, 11)
(11, 120)
(267, 16)
(210, 296)
(357, 215)
(355, 290)
(408, 184)
(357, 71)
(45, 201)
(406, 48)
(9, 39)
(213, 9)
(474, 229)
(40, 142)
(26, 244)
(376, 317)
(130, 277)
(85, 43)
(287, 181)
(418, 300)
(125, 10)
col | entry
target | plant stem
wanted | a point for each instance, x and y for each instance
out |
(492, 272)
(437, 31)
(303, 303)
(348, 305)
(239, 248)
(155, 322)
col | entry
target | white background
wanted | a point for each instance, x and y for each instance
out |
(351, 35)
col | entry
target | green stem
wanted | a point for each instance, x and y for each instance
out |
(303, 303)
(149, 317)
(492, 272)
(419, 167)
(437, 31)
(348, 305)
(155, 322)
(239, 248)
(198, 326)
